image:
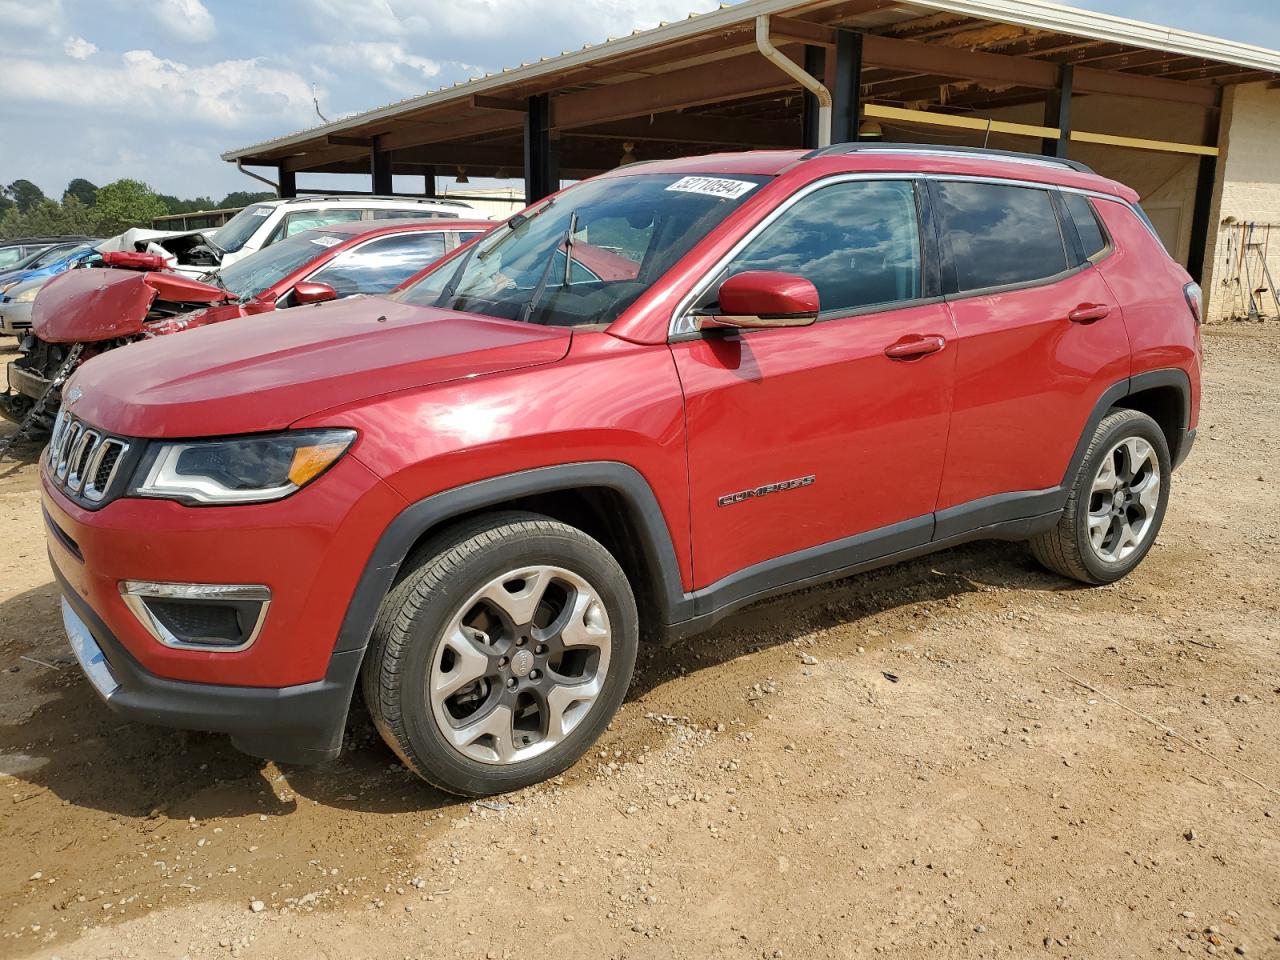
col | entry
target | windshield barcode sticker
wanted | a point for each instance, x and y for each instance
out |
(713, 186)
(326, 241)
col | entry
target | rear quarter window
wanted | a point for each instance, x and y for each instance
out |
(1092, 240)
(1000, 235)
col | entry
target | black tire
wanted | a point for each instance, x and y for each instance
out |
(410, 629)
(1067, 548)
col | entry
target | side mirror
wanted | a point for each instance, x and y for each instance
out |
(309, 292)
(764, 298)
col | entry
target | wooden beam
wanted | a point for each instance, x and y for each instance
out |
(1136, 143)
(801, 31)
(881, 112)
(731, 79)
(700, 128)
(485, 102)
(926, 59)
(1089, 80)
(337, 140)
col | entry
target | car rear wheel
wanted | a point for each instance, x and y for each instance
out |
(502, 655)
(1116, 505)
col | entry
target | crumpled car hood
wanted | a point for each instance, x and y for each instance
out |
(103, 303)
(266, 372)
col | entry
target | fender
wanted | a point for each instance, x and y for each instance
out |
(434, 511)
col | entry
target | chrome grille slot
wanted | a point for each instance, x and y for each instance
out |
(82, 461)
(81, 454)
(102, 469)
(74, 431)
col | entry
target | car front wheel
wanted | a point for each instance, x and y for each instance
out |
(502, 655)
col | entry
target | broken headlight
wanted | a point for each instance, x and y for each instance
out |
(250, 469)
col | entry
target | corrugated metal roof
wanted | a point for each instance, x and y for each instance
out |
(1049, 17)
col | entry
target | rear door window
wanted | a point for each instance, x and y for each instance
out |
(1092, 240)
(380, 266)
(1000, 235)
(858, 242)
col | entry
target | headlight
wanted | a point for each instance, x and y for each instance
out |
(27, 295)
(240, 470)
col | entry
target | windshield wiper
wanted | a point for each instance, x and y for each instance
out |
(567, 242)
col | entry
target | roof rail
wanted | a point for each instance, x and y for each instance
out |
(446, 201)
(869, 146)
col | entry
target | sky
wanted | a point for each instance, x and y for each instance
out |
(157, 90)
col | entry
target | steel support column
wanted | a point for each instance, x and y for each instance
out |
(1057, 113)
(815, 64)
(380, 167)
(288, 182)
(846, 93)
(1206, 180)
(541, 152)
(429, 188)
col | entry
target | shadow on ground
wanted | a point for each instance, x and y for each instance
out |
(89, 758)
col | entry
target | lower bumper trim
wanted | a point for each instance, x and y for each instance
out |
(300, 724)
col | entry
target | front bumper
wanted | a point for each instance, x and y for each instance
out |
(15, 318)
(26, 382)
(297, 724)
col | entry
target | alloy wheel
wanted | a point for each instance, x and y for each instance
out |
(520, 665)
(1124, 499)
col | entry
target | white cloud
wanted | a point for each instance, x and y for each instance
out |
(390, 62)
(571, 23)
(42, 15)
(78, 48)
(185, 19)
(230, 93)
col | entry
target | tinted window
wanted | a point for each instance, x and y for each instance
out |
(857, 242)
(388, 214)
(1092, 238)
(380, 266)
(1000, 235)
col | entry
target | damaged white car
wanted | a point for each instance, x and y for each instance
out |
(259, 225)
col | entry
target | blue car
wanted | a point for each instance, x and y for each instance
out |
(50, 262)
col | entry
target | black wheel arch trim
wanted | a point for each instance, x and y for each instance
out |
(408, 527)
(1167, 377)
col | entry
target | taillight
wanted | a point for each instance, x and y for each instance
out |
(1195, 301)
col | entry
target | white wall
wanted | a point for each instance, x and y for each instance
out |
(1248, 190)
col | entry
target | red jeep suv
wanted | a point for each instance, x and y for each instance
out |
(646, 401)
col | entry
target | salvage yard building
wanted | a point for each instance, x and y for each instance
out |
(1191, 122)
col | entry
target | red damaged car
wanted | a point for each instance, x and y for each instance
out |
(85, 312)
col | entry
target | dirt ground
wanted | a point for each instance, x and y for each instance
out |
(901, 765)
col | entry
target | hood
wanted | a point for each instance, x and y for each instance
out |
(86, 306)
(264, 373)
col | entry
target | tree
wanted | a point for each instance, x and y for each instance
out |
(175, 205)
(48, 218)
(126, 203)
(242, 198)
(82, 190)
(25, 194)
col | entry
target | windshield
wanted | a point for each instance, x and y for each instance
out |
(259, 271)
(54, 254)
(586, 255)
(235, 233)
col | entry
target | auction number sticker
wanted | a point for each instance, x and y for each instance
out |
(262, 212)
(713, 187)
(326, 241)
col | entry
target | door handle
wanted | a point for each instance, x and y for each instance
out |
(1089, 312)
(914, 346)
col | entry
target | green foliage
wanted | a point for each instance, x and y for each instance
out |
(242, 198)
(98, 211)
(126, 203)
(176, 205)
(48, 218)
(25, 194)
(83, 190)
